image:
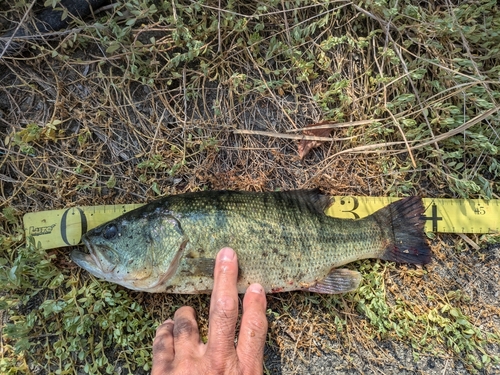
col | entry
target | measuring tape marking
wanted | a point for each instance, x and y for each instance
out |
(59, 228)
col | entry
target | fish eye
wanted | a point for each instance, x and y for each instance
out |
(110, 231)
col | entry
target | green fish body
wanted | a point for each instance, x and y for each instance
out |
(283, 240)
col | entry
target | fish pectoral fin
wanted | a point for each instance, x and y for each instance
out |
(339, 280)
(199, 267)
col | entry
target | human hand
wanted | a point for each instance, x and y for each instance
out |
(178, 350)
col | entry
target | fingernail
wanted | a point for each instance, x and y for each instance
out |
(255, 288)
(226, 254)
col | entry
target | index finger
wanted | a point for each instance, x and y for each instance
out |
(223, 305)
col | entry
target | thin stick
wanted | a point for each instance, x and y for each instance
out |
(17, 29)
(332, 125)
(290, 136)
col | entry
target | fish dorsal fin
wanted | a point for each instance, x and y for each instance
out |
(313, 198)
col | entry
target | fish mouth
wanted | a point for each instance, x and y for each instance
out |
(90, 261)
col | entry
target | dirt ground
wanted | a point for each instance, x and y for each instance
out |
(352, 356)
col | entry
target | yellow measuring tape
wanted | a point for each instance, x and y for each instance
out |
(58, 228)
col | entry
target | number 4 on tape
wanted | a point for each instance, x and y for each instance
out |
(434, 218)
(59, 228)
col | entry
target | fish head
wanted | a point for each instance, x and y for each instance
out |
(140, 253)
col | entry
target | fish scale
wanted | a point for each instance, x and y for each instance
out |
(283, 241)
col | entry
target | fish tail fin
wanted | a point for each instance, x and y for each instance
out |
(406, 229)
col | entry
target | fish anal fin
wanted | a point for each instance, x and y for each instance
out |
(339, 280)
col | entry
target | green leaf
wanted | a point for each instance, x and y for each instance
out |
(155, 188)
(111, 183)
(454, 312)
(113, 47)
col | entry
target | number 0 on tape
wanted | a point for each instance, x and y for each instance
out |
(58, 228)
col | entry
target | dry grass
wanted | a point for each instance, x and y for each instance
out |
(193, 96)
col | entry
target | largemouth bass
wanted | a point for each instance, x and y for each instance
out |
(283, 240)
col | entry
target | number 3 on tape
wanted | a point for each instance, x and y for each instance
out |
(60, 228)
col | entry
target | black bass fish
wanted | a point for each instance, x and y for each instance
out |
(283, 240)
